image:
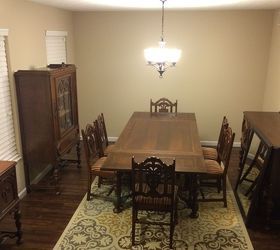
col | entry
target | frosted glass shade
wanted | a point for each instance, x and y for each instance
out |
(162, 54)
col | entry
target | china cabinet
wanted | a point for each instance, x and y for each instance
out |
(48, 114)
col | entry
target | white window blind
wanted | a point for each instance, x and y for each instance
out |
(56, 47)
(8, 149)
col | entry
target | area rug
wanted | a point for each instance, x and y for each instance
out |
(95, 226)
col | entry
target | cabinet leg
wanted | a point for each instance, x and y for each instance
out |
(55, 175)
(17, 217)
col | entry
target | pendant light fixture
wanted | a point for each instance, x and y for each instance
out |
(162, 58)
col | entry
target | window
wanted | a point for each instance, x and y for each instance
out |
(56, 47)
(8, 149)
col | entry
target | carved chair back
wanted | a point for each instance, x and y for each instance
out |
(163, 105)
(153, 178)
(91, 144)
(221, 138)
(227, 148)
(260, 162)
(102, 131)
(246, 138)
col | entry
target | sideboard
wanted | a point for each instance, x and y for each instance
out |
(9, 200)
(265, 201)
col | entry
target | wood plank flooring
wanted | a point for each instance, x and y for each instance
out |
(45, 215)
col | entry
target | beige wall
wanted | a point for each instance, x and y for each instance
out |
(27, 23)
(222, 70)
(272, 88)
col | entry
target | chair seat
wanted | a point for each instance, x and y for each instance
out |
(96, 169)
(213, 167)
(109, 149)
(149, 202)
(210, 153)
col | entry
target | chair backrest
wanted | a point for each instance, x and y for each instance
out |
(227, 147)
(221, 138)
(102, 130)
(261, 155)
(246, 135)
(90, 142)
(101, 144)
(153, 178)
(163, 105)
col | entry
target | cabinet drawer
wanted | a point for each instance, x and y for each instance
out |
(67, 141)
(8, 187)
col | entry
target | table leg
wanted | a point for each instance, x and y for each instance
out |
(194, 195)
(118, 208)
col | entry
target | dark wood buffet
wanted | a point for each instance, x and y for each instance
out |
(9, 200)
(265, 200)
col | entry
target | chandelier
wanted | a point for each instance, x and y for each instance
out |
(162, 58)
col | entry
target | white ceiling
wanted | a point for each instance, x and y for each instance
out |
(101, 5)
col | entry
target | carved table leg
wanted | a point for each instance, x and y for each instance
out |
(118, 208)
(194, 195)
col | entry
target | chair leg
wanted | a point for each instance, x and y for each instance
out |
(99, 181)
(202, 194)
(133, 227)
(89, 186)
(171, 230)
(176, 213)
(224, 184)
(219, 184)
(250, 189)
(244, 177)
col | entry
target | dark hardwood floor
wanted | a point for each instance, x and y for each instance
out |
(45, 215)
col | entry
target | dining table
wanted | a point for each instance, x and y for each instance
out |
(167, 136)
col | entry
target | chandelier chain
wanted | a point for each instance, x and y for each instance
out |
(162, 19)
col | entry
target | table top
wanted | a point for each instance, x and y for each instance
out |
(163, 135)
(266, 125)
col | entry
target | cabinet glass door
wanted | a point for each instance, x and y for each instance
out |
(65, 109)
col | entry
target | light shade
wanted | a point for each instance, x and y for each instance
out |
(161, 57)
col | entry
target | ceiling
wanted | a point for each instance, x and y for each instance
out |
(103, 5)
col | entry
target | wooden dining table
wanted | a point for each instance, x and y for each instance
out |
(164, 135)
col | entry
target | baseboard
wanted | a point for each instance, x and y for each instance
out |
(113, 138)
(22, 193)
(41, 175)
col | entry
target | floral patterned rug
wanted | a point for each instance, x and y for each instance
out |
(95, 226)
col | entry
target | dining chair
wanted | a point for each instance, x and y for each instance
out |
(101, 127)
(163, 105)
(213, 153)
(154, 189)
(93, 159)
(217, 171)
(258, 163)
(245, 142)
